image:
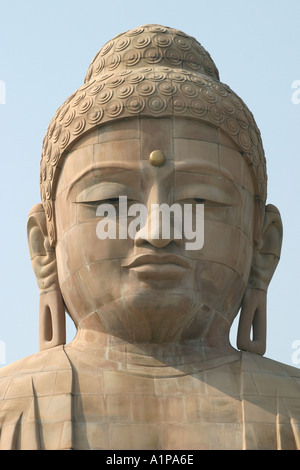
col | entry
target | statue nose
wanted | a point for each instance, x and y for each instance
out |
(156, 242)
(163, 224)
(142, 237)
(161, 227)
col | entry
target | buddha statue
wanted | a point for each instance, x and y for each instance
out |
(151, 365)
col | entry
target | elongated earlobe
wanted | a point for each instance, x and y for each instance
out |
(253, 322)
(52, 329)
(253, 316)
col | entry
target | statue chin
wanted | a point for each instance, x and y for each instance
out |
(144, 317)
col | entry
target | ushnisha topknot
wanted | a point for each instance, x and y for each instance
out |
(150, 71)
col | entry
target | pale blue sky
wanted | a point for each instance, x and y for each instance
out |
(46, 48)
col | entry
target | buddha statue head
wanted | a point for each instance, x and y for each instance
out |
(153, 125)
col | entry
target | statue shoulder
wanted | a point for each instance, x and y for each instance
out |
(272, 381)
(270, 391)
(33, 391)
(50, 360)
(253, 363)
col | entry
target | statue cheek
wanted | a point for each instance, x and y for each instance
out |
(107, 249)
(102, 282)
(91, 288)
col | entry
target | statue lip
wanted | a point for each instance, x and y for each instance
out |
(150, 259)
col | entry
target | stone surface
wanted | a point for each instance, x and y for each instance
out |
(151, 366)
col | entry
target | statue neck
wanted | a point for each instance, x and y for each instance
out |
(185, 356)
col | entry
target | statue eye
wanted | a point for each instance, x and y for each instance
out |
(199, 200)
(194, 200)
(103, 193)
(112, 200)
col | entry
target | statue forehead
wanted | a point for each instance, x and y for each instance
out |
(151, 71)
(143, 136)
(139, 143)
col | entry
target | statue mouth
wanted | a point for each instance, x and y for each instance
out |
(167, 267)
(151, 259)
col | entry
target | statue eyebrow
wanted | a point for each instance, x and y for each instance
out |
(107, 167)
(194, 166)
(189, 179)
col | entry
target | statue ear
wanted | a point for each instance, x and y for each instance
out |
(254, 305)
(52, 330)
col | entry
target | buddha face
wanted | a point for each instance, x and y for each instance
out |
(144, 287)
